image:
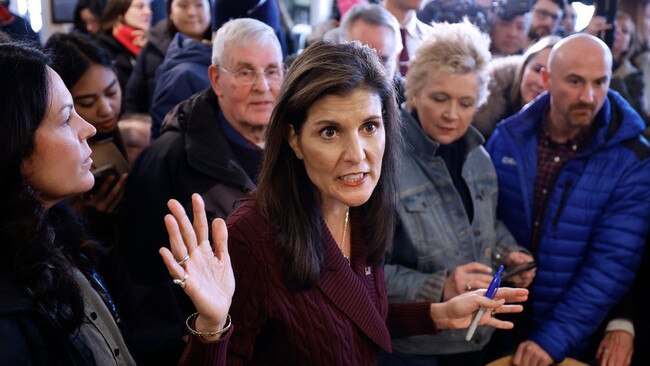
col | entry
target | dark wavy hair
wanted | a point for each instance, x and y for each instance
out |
(285, 196)
(39, 247)
(95, 6)
(72, 55)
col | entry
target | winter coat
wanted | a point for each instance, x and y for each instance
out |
(183, 73)
(142, 82)
(191, 156)
(595, 222)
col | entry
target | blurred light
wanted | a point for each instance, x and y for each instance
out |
(584, 13)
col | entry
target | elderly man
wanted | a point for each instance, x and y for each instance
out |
(546, 18)
(211, 144)
(573, 173)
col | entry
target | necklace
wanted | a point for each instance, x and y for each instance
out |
(345, 230)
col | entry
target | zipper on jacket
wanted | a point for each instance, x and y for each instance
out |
(565, 196)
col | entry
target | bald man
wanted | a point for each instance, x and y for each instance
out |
(574, 189)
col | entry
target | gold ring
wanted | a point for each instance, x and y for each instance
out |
(468, 287)
(181, 282)
(184, 260)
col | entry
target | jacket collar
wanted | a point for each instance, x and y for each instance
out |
(616, 121)
(346, 285)
(205, 145)
(421, 145)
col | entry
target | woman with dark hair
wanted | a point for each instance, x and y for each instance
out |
(514, 82)
(192, 18)
(86, 16)
(87, 71)
(307, 248)
(124, 25)
(54, 308)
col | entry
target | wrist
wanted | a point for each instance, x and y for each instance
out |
(209, 331)
(438, 315)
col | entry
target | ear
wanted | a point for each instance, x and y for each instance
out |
(294, 142)
(214, 73)
(545, 77)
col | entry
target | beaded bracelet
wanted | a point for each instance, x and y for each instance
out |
(206, 334)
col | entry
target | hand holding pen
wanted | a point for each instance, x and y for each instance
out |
(491, 291)
(457, 313)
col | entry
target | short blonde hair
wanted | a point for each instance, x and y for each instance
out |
(457, 48)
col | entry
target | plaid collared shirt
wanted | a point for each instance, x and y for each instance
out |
(551, 157)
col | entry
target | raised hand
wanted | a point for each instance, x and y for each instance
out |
(203, 271)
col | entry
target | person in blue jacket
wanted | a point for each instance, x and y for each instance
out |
(574, 188)
(183, 73)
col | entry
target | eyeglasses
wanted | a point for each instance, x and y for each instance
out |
(273, 75)
(543, 14)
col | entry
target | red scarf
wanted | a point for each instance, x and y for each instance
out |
(125, 35)
(5, 16)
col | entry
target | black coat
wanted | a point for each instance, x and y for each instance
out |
(123, 59)
(142, 82)
(28, 336)
(192, 155)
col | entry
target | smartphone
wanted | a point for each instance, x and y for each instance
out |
(510, 272)
(101, 174)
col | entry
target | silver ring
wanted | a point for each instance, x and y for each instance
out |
(181, 283)
(184, 260)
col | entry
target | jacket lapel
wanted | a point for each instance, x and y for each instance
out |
(347, 287)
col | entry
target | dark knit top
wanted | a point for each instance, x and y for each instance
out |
(343, 320)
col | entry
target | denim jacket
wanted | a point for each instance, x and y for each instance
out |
(434, 234)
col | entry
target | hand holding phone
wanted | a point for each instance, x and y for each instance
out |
(101, 174)
(511, 272)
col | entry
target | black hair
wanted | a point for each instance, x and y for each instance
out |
(39, 247)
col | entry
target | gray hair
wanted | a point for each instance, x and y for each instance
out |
(372, 14)
(457, 48)
(241, 31)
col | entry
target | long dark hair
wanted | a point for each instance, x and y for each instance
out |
(285, 195)
(95, 6)
(38, 247)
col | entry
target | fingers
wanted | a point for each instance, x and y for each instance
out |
(184, 224)
(512, 294)
(220, 237)
(177, 244)
(200, 221)
(174, 269)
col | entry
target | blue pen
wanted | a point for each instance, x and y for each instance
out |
(491, 291)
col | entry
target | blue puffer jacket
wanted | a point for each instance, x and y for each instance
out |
(597, 216)
(183, 73)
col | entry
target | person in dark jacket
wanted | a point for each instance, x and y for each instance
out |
(124, 24)
(211, 144)
(54, 307)
(85, 17)
(15, 26)
(266, 11)
(573, 173)
(190, 17)
(183, 73)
